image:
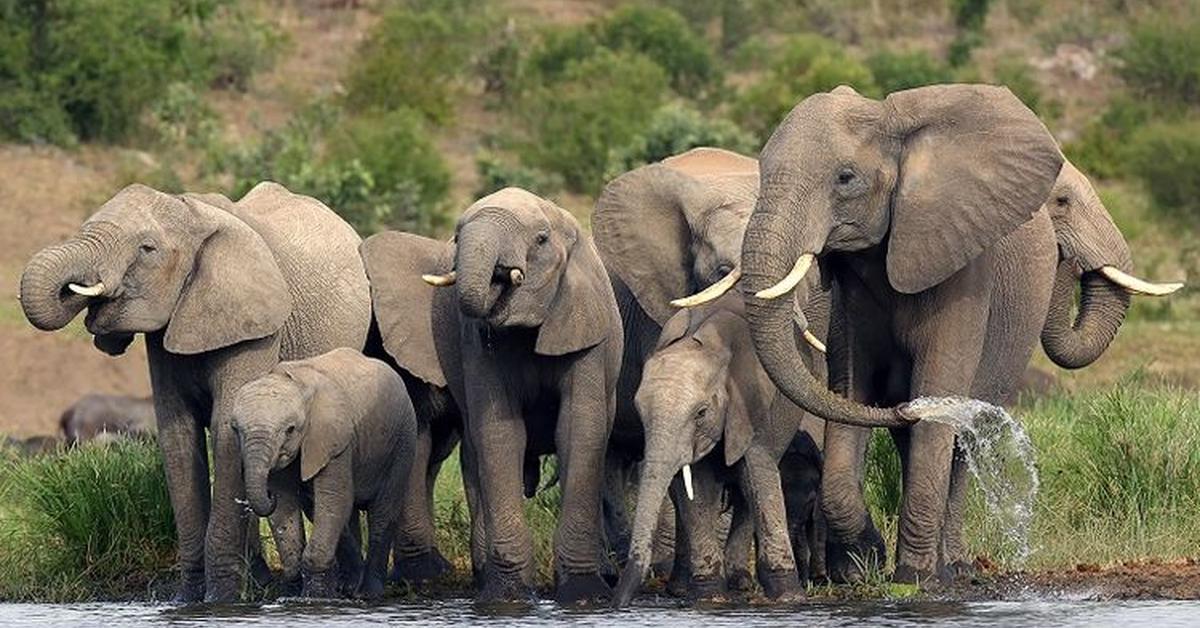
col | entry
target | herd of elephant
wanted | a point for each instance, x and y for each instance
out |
(729, 333)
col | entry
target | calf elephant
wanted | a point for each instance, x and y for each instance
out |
(222, 291)
(710, 410)
(97, 417)
(529, 340)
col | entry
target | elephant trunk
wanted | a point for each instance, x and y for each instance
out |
(478, 255)
(258, 456)
(1073, 342)
(656, 476)
(45, 297)
(771, 246)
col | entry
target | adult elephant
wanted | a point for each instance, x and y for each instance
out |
(925, 209)
(529, 342)
(222, 291)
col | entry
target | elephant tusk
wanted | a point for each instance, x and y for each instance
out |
(441, 280)
(516, 277)
(87, 291)
(1139, 286)
(793, 279)
(814, 341)
(712, 292)
(687, 482)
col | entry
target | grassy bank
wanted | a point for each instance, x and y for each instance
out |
(1120, 480)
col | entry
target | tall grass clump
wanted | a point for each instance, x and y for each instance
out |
(85, 523)
(1164, 155)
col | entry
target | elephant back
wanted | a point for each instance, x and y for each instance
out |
(317, 252)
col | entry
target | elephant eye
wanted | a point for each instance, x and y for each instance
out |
(543, 237)
(845, 176)
(1062, 201)
(702, 412)
(148, 248)
(291, 429)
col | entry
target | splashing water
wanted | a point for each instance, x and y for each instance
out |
(999, 455)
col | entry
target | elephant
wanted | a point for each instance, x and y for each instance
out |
(925, 210)
(222, 292)
(710, 410)
(329, 435)
(525, 330)
(97, 417)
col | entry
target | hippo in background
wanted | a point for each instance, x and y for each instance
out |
(103, 418)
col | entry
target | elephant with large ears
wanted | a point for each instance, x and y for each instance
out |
(329, 436)
(926, 211)
(527, 336)
(222, 291)
(713, 419)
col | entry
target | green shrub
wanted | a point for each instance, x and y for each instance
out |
(82, 523)
(599, 104)
(662, 35)
(496, 173)
(675, 128)
(181, 117)
(1164, 156)
(240, 45)
(1162, 58)
(807, 64)
(969, 17)
(412, 60)
(894, 71)
(1015, 73)
(1102, 146)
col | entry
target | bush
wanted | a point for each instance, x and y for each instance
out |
(375, 170)
(1101, 148)
(599, 104)
(1015, 73)
(94, 521)
(241, 45)
(410, 60)
(663, 36)
(807, 64)
(1164, 156)
(1162, 58)
(496, 173)
(673, 129)
(895, 71)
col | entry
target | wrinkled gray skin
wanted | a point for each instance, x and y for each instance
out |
(705, 401)
(925, 211)
(102, 418)
(223, 291)
(328, 436)
(533, 363)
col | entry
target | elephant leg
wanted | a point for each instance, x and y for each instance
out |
(333, 507)
(663, 550)
(226, 532)
(185, 458)
(706, 580)
(758, 476)
(581, 439)
(417, 559)
(817, 531)
(681, 567)
(616, 515)
(852, 541)
(470, 478)
(348, 558)
(738, 546)
(382, 517)
(287, 527)
(955, 556)
(260, 572)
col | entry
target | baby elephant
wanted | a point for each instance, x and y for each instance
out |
(327, 435)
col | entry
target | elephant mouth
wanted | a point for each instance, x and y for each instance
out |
(101, 316)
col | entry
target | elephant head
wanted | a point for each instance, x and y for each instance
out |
(1094, 256)
(284, 414)
(700, 389)
(691, 211)
(932, 175)
(522, 261)
(148, 261)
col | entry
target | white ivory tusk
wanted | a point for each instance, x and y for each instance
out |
(814, 341)
(793, 278)
(687, 482)
(1138, 286)
(516, 277)
(441, 280)
(712, 292)
(87, 291)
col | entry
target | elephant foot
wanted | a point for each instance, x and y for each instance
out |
(504, 590)
(222, 591)
(707, 589)
(957, 571)
(289, 586)
(662, 569)
(320, 585)
(191, 589)
(421, 568)
(907, 574)
(583, 589)
(260, 572)
(845, 562)
(371, 588)
(739, 581)
(677, 584)
(782, 585)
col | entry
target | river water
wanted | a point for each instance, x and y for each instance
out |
(459, 612)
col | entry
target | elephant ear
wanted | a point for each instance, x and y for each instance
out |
(583, 311)
(751, 390)
(330, 426)
(675, 328)
(403, 302)
(976, 164)
(645, 210)
(235, 292)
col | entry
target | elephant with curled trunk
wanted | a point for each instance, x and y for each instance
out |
(710, 411)
(329, 436)
(222, 292)
(926, 212)
(526, 333)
